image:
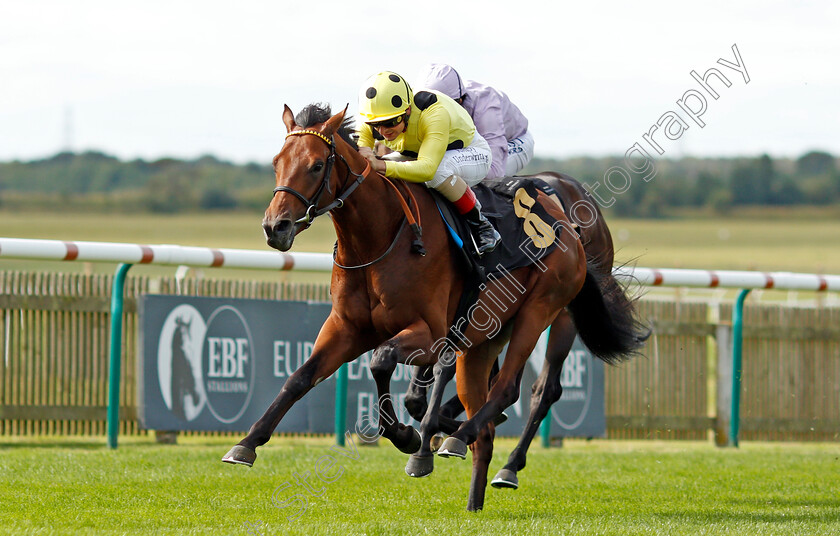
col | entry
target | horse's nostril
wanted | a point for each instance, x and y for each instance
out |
(276, 227)
(282, 226)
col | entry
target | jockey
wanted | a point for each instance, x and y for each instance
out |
(497, 119)
(435, 142)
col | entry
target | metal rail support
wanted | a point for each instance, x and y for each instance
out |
(737, 369)
(545, 426)
(116, 354)
(340, 404)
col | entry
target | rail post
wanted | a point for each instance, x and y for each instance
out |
(116, 354)
(545, 430)
(340, 404)
(545, 426)
(737, 369)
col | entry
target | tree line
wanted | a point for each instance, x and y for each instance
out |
(97, 181)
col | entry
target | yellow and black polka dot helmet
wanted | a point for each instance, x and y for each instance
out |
(384, 96)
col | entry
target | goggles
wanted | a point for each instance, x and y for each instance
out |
(388, 123)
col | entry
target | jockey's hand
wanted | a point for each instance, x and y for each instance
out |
(367, 152)
(375, 163)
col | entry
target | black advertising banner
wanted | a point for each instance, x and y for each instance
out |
(217, 364)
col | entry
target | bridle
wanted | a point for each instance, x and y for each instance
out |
(312, 210)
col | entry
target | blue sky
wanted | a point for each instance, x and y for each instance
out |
(184, 79)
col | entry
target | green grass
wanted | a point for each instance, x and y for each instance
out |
(765, 244)
(799, 241)
(78, 486)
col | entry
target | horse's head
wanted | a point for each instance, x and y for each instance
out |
(303, 172)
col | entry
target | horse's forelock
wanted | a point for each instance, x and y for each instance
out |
(313, 114)
(317, 113)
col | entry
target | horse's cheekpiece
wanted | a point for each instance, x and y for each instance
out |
(527, 229)
(312, 210)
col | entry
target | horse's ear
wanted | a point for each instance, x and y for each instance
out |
(288, 118)
(334, 122)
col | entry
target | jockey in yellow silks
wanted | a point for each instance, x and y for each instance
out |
(435, 142)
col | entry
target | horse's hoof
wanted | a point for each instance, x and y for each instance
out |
(240, 455)
(413, 445)
(436, 441)
(453, 448)
(500, 418)
(418, 466)
(505, 478)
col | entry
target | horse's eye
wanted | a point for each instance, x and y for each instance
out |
(317, 167)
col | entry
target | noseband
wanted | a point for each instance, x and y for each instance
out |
(312, 210)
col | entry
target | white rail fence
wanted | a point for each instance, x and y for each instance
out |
(174, 255)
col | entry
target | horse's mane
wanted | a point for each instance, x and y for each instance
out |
(319, 112)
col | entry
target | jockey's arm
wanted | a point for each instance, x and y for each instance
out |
(366, 141)
(433, 132)
(366, 145)
(490, 123)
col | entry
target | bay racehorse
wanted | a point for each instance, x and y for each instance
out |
(390, 299)
(546, 390)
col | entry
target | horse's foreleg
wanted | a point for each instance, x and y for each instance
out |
(416, 403)
(545, 392)
(334, 346)
(415, 395)
(382, 365)
(422, 462)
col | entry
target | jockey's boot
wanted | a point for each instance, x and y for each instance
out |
(457, 192)
(485, 235)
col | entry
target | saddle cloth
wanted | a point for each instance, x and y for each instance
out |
(528, 231)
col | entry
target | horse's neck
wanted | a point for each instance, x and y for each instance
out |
(370, 217)
(368, 221)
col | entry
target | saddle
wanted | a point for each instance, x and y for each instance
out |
(527, 230)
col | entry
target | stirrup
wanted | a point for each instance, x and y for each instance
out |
(488, 245)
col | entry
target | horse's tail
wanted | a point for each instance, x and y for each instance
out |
(606, 318)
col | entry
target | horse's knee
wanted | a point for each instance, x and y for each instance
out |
(416, 406)
(384, 359)
(301, 380)
(444, 369)
(506, 392)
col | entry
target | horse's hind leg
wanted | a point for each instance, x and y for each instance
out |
(505, 391)
(453, 407)
(416, 402)
(473, 394)
(545, 392)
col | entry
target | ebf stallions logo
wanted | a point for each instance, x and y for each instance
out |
(206, 364)
(179, 362)
(576, 379)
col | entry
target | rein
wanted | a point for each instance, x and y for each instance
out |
(312, 211)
